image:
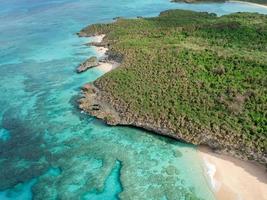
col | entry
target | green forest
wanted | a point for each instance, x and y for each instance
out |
(193, 72)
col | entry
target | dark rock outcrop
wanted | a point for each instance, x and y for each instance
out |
(89, 63)
(91, 103)
(98, 44)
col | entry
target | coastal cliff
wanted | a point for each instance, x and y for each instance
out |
(188, 75)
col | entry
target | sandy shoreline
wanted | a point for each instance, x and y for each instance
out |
(104, 66)
(233, 179)
(230, 178)
(249, 3)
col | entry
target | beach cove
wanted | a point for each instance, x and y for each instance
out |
(46, 140)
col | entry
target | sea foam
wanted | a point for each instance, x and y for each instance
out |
(210, 170)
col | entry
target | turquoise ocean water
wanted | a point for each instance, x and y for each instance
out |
(48, 148)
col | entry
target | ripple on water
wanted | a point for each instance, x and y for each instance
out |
(4, 134)
(112, 186)
(20, 191)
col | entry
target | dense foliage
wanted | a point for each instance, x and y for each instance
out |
(197, 68)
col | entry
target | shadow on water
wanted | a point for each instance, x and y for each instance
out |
(112, 186)
(22, 156)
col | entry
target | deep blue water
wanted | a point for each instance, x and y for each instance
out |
(48, 149)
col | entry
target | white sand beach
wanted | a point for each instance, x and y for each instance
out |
(98, 38)
(249, 3)
(101, 53)
(107, 66)
(230, 178)
(233, 179)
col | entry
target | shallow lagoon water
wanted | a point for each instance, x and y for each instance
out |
(48, 148)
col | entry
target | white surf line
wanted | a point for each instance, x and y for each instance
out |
(248, 3)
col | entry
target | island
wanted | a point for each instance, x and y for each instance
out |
(192, 76)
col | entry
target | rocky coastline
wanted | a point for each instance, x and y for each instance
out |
(98, 102)
(103, 106)
(89, 63)
(105, 57)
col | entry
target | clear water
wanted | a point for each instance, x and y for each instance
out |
(48, 149)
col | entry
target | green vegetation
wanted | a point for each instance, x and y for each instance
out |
(203, 77)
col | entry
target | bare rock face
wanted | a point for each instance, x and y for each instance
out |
(98, 44)
(89, 63)
(82, 34)
(92, 103)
